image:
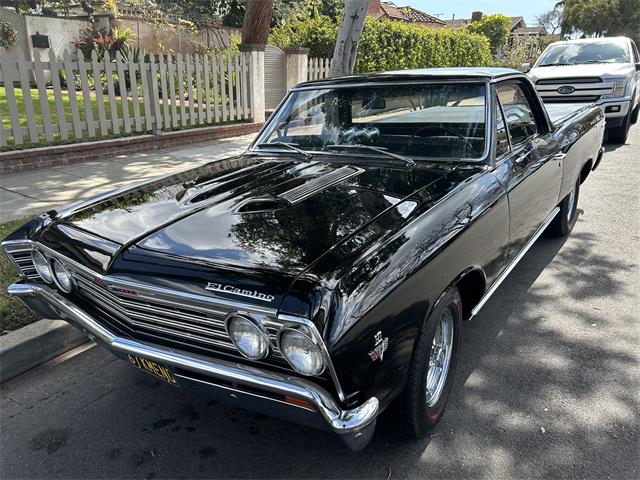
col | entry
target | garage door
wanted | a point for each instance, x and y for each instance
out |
(274, 76)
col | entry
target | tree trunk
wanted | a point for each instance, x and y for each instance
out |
(257, 18)
(351, 26)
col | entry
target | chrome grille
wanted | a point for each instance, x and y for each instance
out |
(170, 319)
(20, 256)
(588, 89)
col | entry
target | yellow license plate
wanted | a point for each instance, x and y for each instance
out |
(155, 369)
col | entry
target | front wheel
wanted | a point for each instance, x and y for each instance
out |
(620, 134)
(435, 356)
(567, 217)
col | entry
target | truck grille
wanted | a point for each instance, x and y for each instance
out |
(585, 90)
(167, 319)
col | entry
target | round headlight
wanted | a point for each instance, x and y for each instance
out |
(42, 265)
(301, 352)
(61, 276)
(248, 337)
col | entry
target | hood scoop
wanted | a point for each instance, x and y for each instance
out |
(319, 184)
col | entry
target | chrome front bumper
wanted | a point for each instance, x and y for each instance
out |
(238, 384)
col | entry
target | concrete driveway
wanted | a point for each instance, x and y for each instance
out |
(548, 385)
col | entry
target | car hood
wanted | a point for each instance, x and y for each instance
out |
(605, 70)
(249, 223)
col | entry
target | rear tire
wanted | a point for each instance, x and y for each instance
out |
(567, 217)
(431, 373)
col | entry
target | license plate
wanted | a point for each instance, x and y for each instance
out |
(155, 369)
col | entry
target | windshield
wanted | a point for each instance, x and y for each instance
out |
(435, 121)
(607, 51)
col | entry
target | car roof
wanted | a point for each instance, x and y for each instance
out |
(593, 40)
(481, 73)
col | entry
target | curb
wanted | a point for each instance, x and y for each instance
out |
(35, 344)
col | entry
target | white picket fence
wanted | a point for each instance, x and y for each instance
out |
(117, 97)
(318, 68)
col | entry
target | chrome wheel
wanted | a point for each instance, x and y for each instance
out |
(440, 358)
(571, 204)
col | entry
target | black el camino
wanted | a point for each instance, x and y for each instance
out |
(324, 275)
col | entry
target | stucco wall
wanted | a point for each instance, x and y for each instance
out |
(61, 32)
(152, 38)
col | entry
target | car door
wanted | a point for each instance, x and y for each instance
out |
(527, 163)
(635, 56)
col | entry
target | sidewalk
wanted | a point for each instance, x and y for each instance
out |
(41, 190)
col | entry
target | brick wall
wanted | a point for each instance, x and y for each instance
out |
(33, 158)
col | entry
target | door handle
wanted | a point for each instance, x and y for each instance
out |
(560, 157)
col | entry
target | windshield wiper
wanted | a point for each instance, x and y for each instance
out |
(290, 146)
(384, 151)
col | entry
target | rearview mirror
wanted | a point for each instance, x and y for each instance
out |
(525, 67)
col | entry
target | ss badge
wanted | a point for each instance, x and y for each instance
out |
(381, 345)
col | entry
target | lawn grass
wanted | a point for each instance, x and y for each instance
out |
(13, 313)
(57, 140)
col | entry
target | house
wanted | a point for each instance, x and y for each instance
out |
(518, 25)
(378, 9)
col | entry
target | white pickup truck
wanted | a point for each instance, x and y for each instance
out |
(604, 71)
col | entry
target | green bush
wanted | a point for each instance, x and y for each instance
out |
(317, 33)
(389, 45)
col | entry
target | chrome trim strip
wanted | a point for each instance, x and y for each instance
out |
(485, 298)
(289, 320)
(339, 420)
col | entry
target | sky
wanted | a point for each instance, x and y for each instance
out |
(463, 8)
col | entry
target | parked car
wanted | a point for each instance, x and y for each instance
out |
(324, 275)
(605, 71)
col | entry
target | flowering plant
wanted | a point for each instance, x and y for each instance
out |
(8, 34)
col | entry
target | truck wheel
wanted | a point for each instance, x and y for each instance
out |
(634, 114)
(562, 225)
(620, 134)
(435, 355)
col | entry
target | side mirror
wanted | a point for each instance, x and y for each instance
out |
(525, 67)
(638, 66)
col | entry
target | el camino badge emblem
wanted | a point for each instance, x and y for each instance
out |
(219, 287)
(566, 90)
(381, 345)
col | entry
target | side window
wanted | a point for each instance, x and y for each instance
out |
(635, 52)
(502, 139)
(520, 118)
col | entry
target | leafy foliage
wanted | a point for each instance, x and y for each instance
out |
(520, 50)
(388, 45)
(316, 33)
(602, 17)
(8, 34)
(102, 41)
(495, 27)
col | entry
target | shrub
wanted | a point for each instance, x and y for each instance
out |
(389, 45)
(495, 27)
(318, 33)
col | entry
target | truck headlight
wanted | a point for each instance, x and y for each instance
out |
(301, 352)
(41, 263)
(619, 87)
(247, 336)
(61, 276)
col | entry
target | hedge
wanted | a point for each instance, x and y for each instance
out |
(390, 45)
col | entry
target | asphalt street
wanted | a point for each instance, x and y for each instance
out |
(548, 385)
